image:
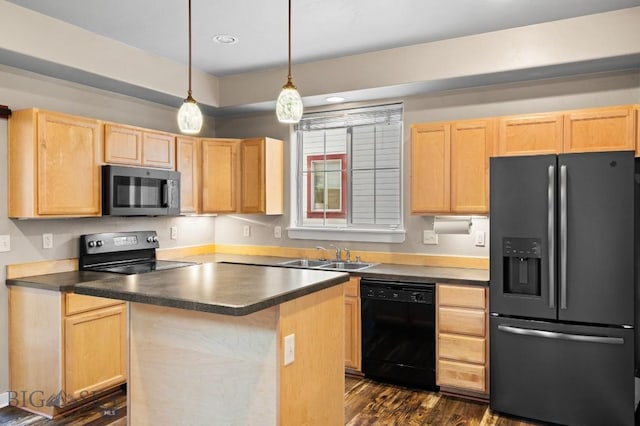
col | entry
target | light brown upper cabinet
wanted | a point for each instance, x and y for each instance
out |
(220, 175)
(430, 168)
(262, 173)
(54, 165)
(586, 130)
(450, 167)
(530, 134)
(138, 147)
(188, 166)
(600, 129)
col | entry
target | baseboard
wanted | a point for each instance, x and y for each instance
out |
(4, 399)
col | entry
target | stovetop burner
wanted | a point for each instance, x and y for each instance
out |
(123, 253)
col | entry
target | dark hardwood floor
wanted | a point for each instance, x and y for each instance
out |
(366, 403)
(372, 403)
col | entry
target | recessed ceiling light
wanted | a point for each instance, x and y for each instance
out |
(335, 99)
(225, 39)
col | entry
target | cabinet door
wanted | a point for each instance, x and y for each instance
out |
(252, 160)
(122, 145)
(158, 150)
(187, 165)
(601, 129)
(69, 158)
(95, 350)
(352, 337)
(471, 143)
(530, 134)
(430, 168)
(220, 174)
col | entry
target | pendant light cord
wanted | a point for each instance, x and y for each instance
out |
(189, 91)
(289, 76)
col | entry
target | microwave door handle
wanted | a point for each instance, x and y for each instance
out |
(165, 193)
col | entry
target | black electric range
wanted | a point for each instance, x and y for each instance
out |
(127, 253)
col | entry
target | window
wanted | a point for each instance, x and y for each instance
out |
(349, 172)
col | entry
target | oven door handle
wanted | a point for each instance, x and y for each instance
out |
(561, 336)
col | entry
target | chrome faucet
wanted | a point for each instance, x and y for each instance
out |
(321, 248)
(338, 252)
(347, 254)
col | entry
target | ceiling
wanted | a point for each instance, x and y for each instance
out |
(321, 29)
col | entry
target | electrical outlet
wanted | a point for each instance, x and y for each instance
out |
(174, 232)
(246, 231)
(47, 241)
(5, 243)
(277, 232)
(479, 238)
(289, 349)
(429, 237)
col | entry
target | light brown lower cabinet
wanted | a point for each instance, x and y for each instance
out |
(64, 349)
(352, 335)
(462, 340)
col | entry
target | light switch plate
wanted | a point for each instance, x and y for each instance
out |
(479, 238)
(277, 232)
(429, 237)
(174, 232)
(246, 231)
(5, 243)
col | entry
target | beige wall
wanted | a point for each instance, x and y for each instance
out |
(549, 95)
(18, 90)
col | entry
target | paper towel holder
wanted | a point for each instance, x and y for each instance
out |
(452, 225)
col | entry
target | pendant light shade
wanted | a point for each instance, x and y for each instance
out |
(289, 106)
(189, 115)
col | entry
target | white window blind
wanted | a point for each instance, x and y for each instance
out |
(349, 168)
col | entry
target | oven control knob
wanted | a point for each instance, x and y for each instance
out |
(149, 239)
(155, 239)
(99, 243)
(91, 243)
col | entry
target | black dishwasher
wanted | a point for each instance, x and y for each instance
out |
(398, 332)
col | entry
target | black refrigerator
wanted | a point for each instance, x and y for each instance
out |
(563, 287)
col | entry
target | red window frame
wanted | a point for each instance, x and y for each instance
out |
(343, 202)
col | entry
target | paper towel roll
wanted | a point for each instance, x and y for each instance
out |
(452, 226)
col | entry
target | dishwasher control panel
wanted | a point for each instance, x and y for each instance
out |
(398, 292)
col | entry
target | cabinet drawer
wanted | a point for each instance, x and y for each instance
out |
(462, 321)
(463, 296)
(462, 375)
(461, 348)
(75, 303)
(352, 288)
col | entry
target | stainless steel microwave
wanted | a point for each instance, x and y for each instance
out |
(137, 191)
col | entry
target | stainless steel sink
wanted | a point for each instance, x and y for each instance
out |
(305, 263)
(347, 266)
(326, 264)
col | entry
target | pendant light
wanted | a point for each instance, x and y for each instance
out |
(289, 104)
(189, 115)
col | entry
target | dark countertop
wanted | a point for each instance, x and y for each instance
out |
(66, 281)
(61, 281)
(386, 271)
(229, 289)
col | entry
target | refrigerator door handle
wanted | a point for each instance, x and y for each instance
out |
(551, 235)
(563, 237)
(561, 336)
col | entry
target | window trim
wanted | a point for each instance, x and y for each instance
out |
(390, 235)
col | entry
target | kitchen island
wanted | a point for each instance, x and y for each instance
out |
(207, 344)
